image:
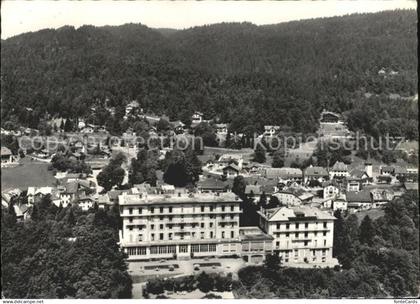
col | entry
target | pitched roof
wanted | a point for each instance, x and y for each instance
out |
(5, 151)
(316, 171)
(387, 169)
(72, 187)
(339, 166)
(286, 214)
(400, 170)
(284, 172)
(411, 186)
(232, 166)
(361, 196)
(254, 189)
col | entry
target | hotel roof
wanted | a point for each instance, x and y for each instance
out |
(284, 214)
(131, 199)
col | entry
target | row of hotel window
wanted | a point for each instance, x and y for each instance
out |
(171, 249)
(297, 225)
(181, 226)
(305, 234)
(170, 209)
(170, 236)
(314, 257)
(305, 243)
(170, 217)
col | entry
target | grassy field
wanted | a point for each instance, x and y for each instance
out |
(28, 173)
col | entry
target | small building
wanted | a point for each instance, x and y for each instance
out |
(221, 128)
(284, 174)
(381, 197)
(231, 170)
(35, 194)
(271, 130)
(353, 184)
(253, 192)
(213, 185)
(319, 174)
(387, 170)
(330, 190)
(339, 169)
(197, 117)
(104, 201)
(7, 158)
(357, 201)
(178, 127)
(255, 244)
(293, 197)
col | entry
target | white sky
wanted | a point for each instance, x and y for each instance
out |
(24, 16)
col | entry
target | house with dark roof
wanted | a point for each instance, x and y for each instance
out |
(387, 170)
(284, 174)
(339, 169)
(213, 185)
(315, 173)
(7, 157)
(231, 170)
(361, 200)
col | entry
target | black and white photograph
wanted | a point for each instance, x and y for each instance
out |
(209, 150)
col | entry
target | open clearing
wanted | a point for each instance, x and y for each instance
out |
(28, 173)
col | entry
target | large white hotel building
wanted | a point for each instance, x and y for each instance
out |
(303, 236)
(179, 224)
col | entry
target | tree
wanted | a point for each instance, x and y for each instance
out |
(259, 154)
(68, 125)
(239, 185)
(278, 159)
(272, 262)
(112, 174)
(367, 231)
(205, 282)
(263, 200)
(181, 169)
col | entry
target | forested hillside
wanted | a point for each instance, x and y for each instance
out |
(282, 74)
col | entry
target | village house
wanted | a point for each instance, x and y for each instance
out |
(293, 197)
(339, 203)
(285, 174)
(357, 201)
(271, 130)
(339, 169)
(302, 236)
(213, 185)
(387, 170)
(178, 127)
(131, 107)
(7, 158)
(253, 192)
(197, 117)
(381, 197)
(319, 174)
(221, 128)
(35, 194)
(104, 201)
(330, 190)
(231, 170)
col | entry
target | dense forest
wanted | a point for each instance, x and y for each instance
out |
(282, 74)
(62, 253)
(379, 258)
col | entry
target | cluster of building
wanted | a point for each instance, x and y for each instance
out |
(174, 223)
